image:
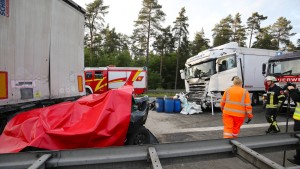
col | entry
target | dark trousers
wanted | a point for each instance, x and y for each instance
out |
(271, 115)
(297, 128)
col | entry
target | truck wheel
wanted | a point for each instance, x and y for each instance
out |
(141, 136)
(255, 99)
(3, 122)
(87, 91)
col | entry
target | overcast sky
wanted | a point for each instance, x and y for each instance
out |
(202, 13)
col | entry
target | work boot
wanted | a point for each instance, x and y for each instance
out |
(268, 131)
(276, 131)
(272, 131)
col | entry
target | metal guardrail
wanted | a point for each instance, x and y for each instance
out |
(165, 154)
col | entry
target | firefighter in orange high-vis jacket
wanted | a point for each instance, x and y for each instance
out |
(235, 105)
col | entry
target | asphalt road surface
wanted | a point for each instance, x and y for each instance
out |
(176, 127)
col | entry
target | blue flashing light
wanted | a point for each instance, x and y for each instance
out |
(278, 53)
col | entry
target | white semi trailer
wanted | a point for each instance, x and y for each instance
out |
(41, 53)
(208, 74)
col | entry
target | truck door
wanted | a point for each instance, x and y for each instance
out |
(227, 68)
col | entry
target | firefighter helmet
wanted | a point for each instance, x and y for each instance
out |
(271, 78)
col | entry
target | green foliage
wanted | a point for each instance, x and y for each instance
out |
(139, 61)
(229, 30)
(94, 19)
(154, 81)
(290, 47)
(170, 46)
(239, 31)
(169, 69)
(222, 31)
(158, 94)
(265, 40)
(124, 59)
(147, 25)
(163, 45)
(199, 43)
(180, 32)
(280, 30)
(184, 54)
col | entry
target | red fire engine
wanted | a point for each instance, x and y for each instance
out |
(101, 79)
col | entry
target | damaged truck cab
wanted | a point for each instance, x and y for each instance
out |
(208, 74)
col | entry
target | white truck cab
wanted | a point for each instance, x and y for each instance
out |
(208, 74)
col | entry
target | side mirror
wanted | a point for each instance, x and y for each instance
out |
(264, 68)
(182, 74)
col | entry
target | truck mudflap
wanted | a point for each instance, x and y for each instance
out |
(92, 121)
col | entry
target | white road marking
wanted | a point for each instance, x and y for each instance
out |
(217, 128)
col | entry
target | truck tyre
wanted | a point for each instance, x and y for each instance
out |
(3, 122)
(141, 136)
(255, 99)
(87, 91)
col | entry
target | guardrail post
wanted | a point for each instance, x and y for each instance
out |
(253, 157)
(40, 163)
(154, 158)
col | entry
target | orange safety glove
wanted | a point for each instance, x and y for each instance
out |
(250, 116)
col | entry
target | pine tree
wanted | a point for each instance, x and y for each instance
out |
(149, 19)
(163, 44)
(222, 32)
(253, 25)
(199, 43)
(239, 31)
(180, 31)
(265, 40)
(298, 44)
(94, 19)
(280, 30)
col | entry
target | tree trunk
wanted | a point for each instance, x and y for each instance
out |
(250, 38)
(177, 62)
(148, 39)
(161, 62)
(91, 47)
(147, 51)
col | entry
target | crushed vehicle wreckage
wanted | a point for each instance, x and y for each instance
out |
(114, 118)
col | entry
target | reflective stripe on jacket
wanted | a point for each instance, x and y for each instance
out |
(296, 115)
(236, 102)
(274, 97)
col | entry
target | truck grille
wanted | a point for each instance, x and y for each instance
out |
(197, 91)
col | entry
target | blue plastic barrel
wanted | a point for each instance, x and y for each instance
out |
(169, 105)
(177, 105)
(159, 104)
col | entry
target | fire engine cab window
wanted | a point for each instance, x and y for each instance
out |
(88, 75)
(98, 75)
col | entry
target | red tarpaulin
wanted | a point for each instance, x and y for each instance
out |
(92, 121)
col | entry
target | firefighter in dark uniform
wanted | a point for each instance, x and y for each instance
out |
(275, 96)
(295, 95)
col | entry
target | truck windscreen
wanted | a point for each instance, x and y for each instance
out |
(205, 69)
(287, 67)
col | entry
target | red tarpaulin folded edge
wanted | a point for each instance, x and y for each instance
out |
(91, 121)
